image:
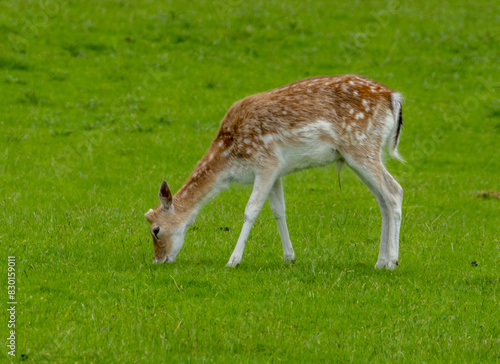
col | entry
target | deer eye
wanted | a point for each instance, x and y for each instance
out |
(155, 231)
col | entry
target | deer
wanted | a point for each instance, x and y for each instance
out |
(345, 119)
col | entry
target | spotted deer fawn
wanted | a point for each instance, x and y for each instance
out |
(309, 123)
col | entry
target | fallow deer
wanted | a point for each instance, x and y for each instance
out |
(309, 123)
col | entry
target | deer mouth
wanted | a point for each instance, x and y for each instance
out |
(160, 261)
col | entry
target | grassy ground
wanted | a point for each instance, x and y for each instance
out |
(101, 101)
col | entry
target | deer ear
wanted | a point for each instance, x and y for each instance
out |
(165, 196)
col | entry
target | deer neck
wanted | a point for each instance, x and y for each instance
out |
(202, 185)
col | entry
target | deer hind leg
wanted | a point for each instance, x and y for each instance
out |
(261, 188)
(389, 195)
(395, 192)
(277, 203)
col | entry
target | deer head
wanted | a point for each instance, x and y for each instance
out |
(167, 228)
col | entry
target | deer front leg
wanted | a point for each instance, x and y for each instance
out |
(261, 187)
(277, 202)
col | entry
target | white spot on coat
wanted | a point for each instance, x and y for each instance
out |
(267, 139)
(360, 136)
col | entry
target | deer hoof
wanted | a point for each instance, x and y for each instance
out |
(233, 262)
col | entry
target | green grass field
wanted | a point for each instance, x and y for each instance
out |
(102, 100)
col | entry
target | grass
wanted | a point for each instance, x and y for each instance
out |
(102, 100)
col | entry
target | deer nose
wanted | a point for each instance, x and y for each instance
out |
(155, 231)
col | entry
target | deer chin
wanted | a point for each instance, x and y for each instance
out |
(170, 258)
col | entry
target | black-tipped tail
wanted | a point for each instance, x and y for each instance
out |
(400, 124)
(397, 114)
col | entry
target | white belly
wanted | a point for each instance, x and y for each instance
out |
(307, 156)
(308, 147)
